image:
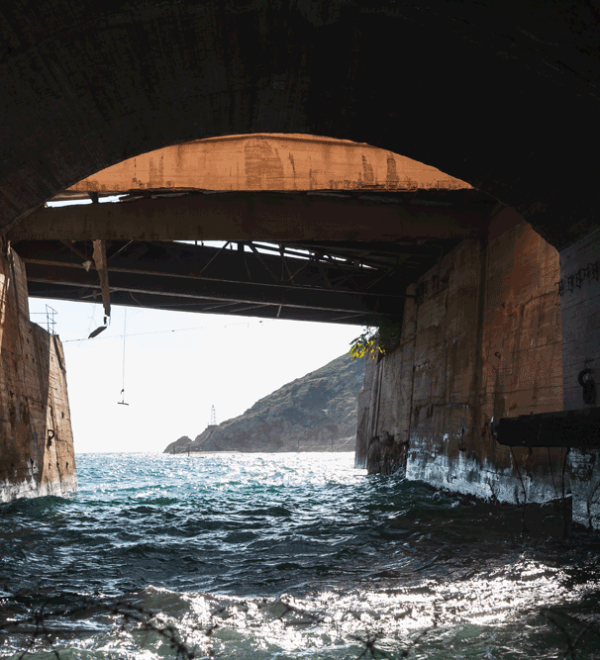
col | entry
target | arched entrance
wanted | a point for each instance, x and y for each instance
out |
(496, 94)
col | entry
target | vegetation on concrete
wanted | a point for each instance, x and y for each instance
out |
(376, 341)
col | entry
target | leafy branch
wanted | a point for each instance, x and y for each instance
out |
(376, 341)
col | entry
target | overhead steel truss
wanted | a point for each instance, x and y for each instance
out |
(341, 283)
(351, 265)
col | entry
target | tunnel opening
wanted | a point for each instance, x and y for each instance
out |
(340, 279)
(496, 326)
(300, 227)
(368, 221)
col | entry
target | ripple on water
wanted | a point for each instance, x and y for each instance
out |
(283, 556)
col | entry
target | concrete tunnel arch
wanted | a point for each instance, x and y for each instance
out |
(493, 93)
(501, 95)
(265, 161)
(300, 191)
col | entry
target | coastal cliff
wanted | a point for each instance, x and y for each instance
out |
(313, 413)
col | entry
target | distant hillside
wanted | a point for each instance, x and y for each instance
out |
(313, 413)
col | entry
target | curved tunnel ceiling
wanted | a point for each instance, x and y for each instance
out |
(498, 93)
(354, 226)
(270, 187)
(265, 162)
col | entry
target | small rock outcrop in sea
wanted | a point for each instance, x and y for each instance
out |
(314, 413)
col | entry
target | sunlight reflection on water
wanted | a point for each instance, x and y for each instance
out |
(471, 615)
(280, 556)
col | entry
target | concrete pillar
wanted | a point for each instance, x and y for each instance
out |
(579, 287)
(36, 442)
(580, 312)
(481, 340)
(365, 414)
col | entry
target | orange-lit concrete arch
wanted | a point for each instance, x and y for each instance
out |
(265, 183)
(276, 162)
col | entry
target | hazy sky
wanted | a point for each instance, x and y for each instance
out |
(177, 365)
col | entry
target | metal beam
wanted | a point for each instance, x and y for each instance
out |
(186, 304)
(208, 263)
(102, 268)
(251, 216)
(248, 293)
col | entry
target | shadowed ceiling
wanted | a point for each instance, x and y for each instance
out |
(500, 94)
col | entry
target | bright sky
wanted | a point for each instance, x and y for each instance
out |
(177, 365)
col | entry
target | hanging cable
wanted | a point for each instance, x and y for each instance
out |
(161, 332)
(122, 401)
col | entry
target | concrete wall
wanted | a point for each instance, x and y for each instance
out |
(481, 340)
(382, 429)
(580, 306)
(36, 443)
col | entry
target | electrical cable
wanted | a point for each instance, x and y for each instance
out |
(160, 332)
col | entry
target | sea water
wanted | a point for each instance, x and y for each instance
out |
(277, 556)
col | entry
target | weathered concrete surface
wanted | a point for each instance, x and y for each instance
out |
(482, 340)
(36, 444)
(265, 162)
(501, 94)
(266, 216)
(580, 309)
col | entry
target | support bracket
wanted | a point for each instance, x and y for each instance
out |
(102, 268)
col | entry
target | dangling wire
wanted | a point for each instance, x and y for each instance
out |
(122, 401)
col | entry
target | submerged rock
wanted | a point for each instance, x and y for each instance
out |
(314, 413)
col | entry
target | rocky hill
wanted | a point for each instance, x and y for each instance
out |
(313, 413)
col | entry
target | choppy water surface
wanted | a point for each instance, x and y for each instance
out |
(284, 556)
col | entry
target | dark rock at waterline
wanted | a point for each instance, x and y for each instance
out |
(184, 441)
(314, 413)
